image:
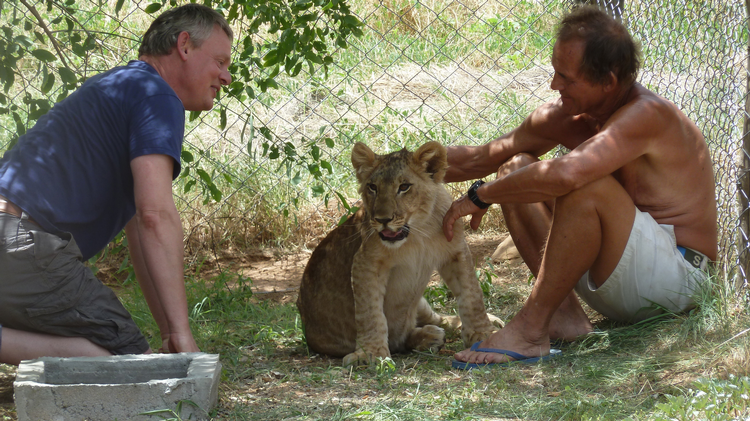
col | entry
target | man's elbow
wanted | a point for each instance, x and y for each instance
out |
(154, 218)
(567, 181)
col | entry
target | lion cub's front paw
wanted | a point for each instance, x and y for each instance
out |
(362, 357)
(427, 338)
(471, 337)
(496, 321)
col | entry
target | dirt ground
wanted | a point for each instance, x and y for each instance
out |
(276, 275)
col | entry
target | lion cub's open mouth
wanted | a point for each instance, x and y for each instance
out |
(388, 235)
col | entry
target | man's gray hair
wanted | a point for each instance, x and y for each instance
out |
(195, 19)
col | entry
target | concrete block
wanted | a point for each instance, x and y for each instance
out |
(120, 387)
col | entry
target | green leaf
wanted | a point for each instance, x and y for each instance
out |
(194, 115)
(223, 118)
(235, 88)
(296, 70)
(296, 179)
(329, 142)
(250, 92)
(290, 150)
(317, 190)
(118, 6)
(20, 128)
(90, 43)
(67, 75)
(326, 165)
(204, 176)
(271, 58)
(215, 192)
(63, 94)
(43, 55)
(314, 170)
(266, 132)
(186, 156)
(153, 7)
(304, 19)
(24, 40)
(274, 153)
(272, 83)
(48, 82)
(343, 201)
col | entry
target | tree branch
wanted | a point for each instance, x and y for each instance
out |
(52, 39)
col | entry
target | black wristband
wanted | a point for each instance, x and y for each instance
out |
(472, 195)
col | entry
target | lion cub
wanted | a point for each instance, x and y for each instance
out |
(361, 292)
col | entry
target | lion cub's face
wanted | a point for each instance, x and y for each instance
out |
(399, 189)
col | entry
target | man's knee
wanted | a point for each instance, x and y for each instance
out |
(604, 191)
(516, 162)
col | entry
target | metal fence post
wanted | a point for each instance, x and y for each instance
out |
(744, 182)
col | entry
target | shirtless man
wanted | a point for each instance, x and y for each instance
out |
(627, 218)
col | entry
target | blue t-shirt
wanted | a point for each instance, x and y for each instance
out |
(71, 171)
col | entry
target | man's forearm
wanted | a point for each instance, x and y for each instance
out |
(143, 277)
(161, 247)
(469, 163)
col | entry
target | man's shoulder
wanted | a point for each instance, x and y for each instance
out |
(644, 97)
(134, 81)
(551, 120)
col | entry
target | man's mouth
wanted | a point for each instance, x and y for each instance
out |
(393, 236)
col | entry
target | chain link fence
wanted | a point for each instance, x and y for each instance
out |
(275, 169)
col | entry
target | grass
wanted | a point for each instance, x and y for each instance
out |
(691, 366)
(456, 72)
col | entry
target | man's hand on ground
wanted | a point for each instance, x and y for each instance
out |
(173, 343)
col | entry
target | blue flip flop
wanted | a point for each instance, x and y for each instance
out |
(517, 358)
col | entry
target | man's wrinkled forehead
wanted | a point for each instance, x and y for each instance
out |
(568, 53)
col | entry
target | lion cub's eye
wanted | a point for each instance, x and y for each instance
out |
(373, 188)
(404, 188)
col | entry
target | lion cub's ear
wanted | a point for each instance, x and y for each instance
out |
(363, 159)
(433, 159)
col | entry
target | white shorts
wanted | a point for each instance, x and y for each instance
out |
(652, 275)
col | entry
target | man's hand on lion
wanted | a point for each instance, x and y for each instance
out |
(458, 209)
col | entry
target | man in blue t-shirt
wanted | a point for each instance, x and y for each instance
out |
(102, 160)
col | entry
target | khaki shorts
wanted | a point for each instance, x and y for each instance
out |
(46, 288)
(652, 273)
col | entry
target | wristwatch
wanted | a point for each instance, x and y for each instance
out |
(472, 195)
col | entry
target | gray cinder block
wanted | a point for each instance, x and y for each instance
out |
(120, 387)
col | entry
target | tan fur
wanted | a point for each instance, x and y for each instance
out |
(361, 296)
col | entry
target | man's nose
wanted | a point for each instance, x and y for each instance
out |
(225, 77)
(556, 83)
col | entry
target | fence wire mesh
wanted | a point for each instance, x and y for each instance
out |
(276, 168)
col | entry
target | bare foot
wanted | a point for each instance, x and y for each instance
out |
(510, 338)
(569, 321)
